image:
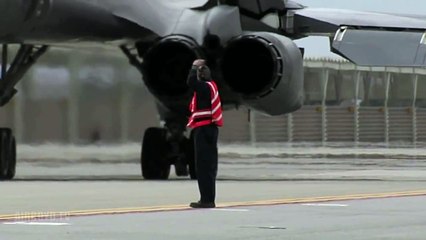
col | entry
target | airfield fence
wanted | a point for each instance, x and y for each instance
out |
(101, 99)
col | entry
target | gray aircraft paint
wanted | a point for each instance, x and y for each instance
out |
(369, 36)
(339, 17)
(371, 47)
(319, 47)
(388, 6)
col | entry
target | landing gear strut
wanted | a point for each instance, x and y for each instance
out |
(11, 74)
(161, 149)
(154, 162)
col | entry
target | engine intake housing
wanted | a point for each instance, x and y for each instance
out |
(266, 69)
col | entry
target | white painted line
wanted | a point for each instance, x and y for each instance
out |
(266, 227)
(273, 227)
(325, 205)
(230, 210)
(37, 223)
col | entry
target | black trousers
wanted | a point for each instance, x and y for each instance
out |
(206, 155)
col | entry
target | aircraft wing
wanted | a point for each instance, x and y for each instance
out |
(91, 21)
(367, 38)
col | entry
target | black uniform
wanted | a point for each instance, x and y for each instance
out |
(205, 142)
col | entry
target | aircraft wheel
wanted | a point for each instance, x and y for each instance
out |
(7, 154)
(190, 157)
(154, 163)
(12, 160)
(181, 170)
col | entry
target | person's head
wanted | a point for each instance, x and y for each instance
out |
(203, 73)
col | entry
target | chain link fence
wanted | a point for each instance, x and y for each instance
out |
(85, 98)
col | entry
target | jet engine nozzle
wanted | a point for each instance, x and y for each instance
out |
(266, 69)
(167, 65)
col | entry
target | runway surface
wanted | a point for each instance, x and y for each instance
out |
(261, 195)
(399, 218)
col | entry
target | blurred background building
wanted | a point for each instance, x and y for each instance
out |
(80, 97)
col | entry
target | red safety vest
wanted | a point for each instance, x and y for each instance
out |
(202, 117)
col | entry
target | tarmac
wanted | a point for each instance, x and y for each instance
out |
(258, 197)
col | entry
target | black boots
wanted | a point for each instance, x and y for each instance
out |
(202, 205)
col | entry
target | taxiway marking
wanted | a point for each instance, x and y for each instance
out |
(324, 205)
(307, 200)
(37, 223)
(230, 210)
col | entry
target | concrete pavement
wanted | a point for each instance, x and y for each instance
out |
(261, 198)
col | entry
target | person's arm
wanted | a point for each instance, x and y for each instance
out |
(193, 81)
(192, 78)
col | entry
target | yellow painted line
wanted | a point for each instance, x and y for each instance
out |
(82, 213)
(327, 199)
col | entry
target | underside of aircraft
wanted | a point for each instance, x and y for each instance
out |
(247, 43)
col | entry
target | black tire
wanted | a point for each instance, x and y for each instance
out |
(7, 154)
(154, 164)
(12, 160)
(190, 157)
(4, 165)
(181, 170)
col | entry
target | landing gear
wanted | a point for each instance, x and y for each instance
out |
(11, 74)
(161, 149)
(154, 162)
(7, 154)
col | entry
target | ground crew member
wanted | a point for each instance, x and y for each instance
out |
(206, 117)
